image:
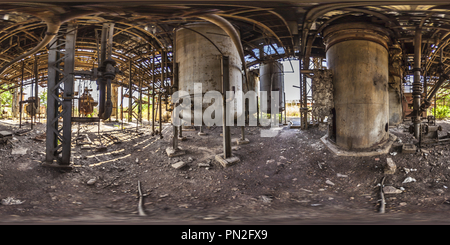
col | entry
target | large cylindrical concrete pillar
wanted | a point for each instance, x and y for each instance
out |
(199, 49)
(357, 54)
(271, 79)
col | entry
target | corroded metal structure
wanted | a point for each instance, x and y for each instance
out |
(143, 50)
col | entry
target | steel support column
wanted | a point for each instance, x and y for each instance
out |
(153, 93)
(225, 87)
(58, 143)
(417, 85)
(130, 95)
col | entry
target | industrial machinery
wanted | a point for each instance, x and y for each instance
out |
(32, 108)
(87, 103)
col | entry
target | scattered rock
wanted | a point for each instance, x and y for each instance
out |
(407, 170)
(390, 166)
(11, 201)
(329, 182)
(190, 159)
(178, 165)
(391, 190)
(342, 175)
(409, 179)
(19, 151)
(91, 182)
(270, 161)
(203, 165)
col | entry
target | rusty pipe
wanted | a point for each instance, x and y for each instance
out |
(417, 86)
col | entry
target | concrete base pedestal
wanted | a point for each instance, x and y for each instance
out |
(383, 148)
(226, 162)
(242, 141)
(171, 152)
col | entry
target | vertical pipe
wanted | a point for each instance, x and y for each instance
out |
(121, 105)
(160, 113)
(36, 88)
(21, 97)
(140, 99)
(148, 104)
(153, 93)
(257, 110)
(225, 75)
(161, 86)
(130, 95)
(417, 86)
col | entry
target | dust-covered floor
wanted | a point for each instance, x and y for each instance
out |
(288, 179)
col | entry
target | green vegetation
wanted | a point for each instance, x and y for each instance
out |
(443, 105)
(6, 96)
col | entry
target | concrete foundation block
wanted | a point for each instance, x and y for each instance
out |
(409, 148)
(228, 161)
(171, 152)
(242, 141)
(383, 149)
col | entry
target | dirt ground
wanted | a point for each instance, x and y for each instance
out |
(288, 179)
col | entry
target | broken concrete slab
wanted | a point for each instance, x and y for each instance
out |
(228, 161)
(409, 148)
(171, 152)
(19, 151)
(178, 165)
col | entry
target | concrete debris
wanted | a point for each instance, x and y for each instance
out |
(91, 182)
(178, 165)
(11, 201)
(390, 166)
(409, 179)
(407, 170)
(266, 199)
(342, 175)
(270, 161)
(19, 151)
(391, 190)
(203, 164)
(329, 182)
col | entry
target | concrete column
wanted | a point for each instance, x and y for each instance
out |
(357, 54)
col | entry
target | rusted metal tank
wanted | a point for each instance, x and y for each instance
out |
(357, 54)
(198, 52)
